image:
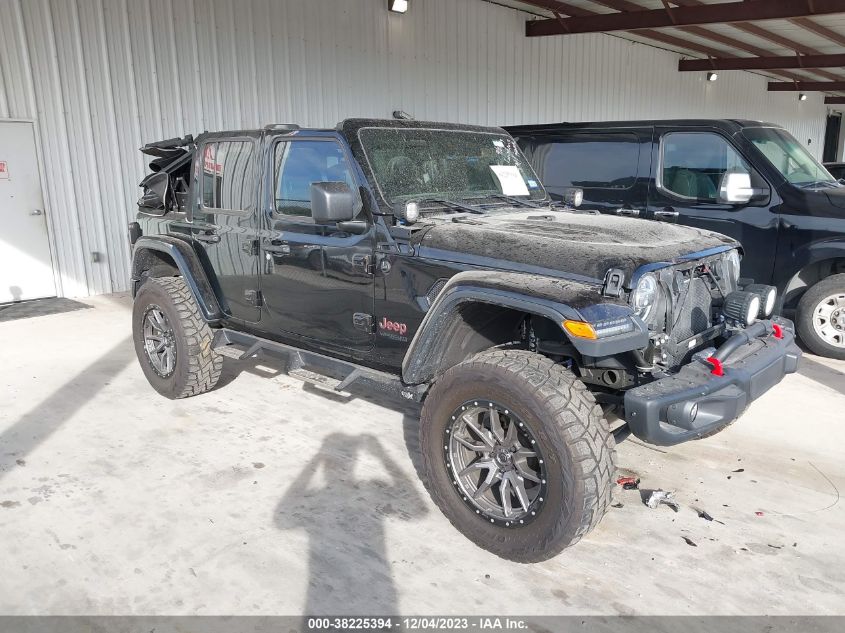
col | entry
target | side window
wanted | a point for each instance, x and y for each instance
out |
(298, 164)
(693, 163)
(228, 176)
(588, 161)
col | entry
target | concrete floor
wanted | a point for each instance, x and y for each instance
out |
(265, 497)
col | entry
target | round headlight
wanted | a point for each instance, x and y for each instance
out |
(767, 294)
(644, 296)
(732, 262)
(742, 306)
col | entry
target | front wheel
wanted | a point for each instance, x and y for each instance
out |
(821, 317)
(517, 454)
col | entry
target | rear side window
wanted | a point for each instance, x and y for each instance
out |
(588, 161)
(299, 164)
(228, 176)
(693, 164)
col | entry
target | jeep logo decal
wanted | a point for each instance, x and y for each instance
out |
(393, 329)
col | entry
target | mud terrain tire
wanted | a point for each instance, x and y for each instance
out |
(197, 366)
(570, 431)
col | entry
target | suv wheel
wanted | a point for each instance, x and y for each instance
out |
(517, 454)
(821, 317)
(172, 341)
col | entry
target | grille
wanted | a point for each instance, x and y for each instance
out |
(694, 315)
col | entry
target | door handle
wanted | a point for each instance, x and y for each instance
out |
(280, 249)
(666, 214)
(630, 213)
(36, 212)
(210, 238)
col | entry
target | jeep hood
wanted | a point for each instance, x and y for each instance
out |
(562, 243)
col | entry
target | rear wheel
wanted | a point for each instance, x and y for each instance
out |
(821, 317)
(172, 341)
(517, 454)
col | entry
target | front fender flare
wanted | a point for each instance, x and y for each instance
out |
(553, 298)
(189, 266)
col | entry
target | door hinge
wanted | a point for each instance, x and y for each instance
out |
(254, 298)
(365, 262)
(363, 321)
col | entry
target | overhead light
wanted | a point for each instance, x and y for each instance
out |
(802, 97)
(397, 6)
(712, 76)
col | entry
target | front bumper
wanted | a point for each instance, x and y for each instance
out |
(695, 402)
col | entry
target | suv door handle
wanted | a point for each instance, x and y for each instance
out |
(210, 238)
(277, 249)
(631, 213)
(666, 214)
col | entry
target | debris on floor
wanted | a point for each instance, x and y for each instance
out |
(629, 483)
(758, 513)
(703, 514)
(656, 497)
(689, 541)
(617, 505)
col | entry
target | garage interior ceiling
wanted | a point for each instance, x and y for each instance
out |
(718, 35)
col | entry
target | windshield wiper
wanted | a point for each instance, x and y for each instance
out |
(462, 206)
(516, 201)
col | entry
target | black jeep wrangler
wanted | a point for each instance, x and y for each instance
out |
(426, 259)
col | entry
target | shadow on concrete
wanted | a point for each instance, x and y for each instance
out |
(34, 427)
(822, 374)
(343, 498)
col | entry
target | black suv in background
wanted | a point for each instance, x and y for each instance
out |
(747, 179)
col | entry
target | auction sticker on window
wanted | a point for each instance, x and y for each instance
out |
(510, 179)
(4, 170)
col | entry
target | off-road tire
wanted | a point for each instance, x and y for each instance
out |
(572, 434)
(198, 366)
(804, 317)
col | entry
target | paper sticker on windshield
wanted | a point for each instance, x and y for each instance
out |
(510, 180)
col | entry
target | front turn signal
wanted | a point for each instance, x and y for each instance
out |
(580, 329)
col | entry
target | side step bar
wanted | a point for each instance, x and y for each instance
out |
(313, 368)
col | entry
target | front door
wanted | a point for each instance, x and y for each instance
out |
(317, 279)
(26, 269)
(225, 222)
(688, 174)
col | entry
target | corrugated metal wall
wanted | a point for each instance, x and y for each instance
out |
(101, 77)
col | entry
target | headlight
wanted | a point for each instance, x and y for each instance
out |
(732, 263)
(742, 306)
(768, 296)
(644, 296)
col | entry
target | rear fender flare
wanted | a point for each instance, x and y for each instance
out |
(190, 267)
(554, 299)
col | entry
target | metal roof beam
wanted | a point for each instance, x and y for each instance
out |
(762, 63)
(723, 13)
(834, 100)
(806, 86)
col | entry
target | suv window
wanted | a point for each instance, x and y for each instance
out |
(588, 161)
(693, 163)
(299, 164)
(228, 176)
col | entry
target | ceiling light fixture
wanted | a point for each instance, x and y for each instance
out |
(802, 97)
(397, 6)
(712, 76)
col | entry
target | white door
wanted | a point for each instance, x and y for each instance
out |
(26, 270)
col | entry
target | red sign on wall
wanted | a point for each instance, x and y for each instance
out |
(4, 170)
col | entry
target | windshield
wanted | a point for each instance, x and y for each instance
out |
(789, 157)
(447, 164)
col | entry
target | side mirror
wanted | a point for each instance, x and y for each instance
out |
(736, 188)
(332, 202)
(156, 195)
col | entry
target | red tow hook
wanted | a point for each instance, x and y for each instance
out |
(717, 370)
(777, 330)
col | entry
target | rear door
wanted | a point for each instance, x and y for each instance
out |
(225, 222)
(317, 279)
(611, 166)
(689, 166)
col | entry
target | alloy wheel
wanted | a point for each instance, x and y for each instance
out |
(829, 320)
(495, 463)
(159, 341)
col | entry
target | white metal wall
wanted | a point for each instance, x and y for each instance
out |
(102, 77)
